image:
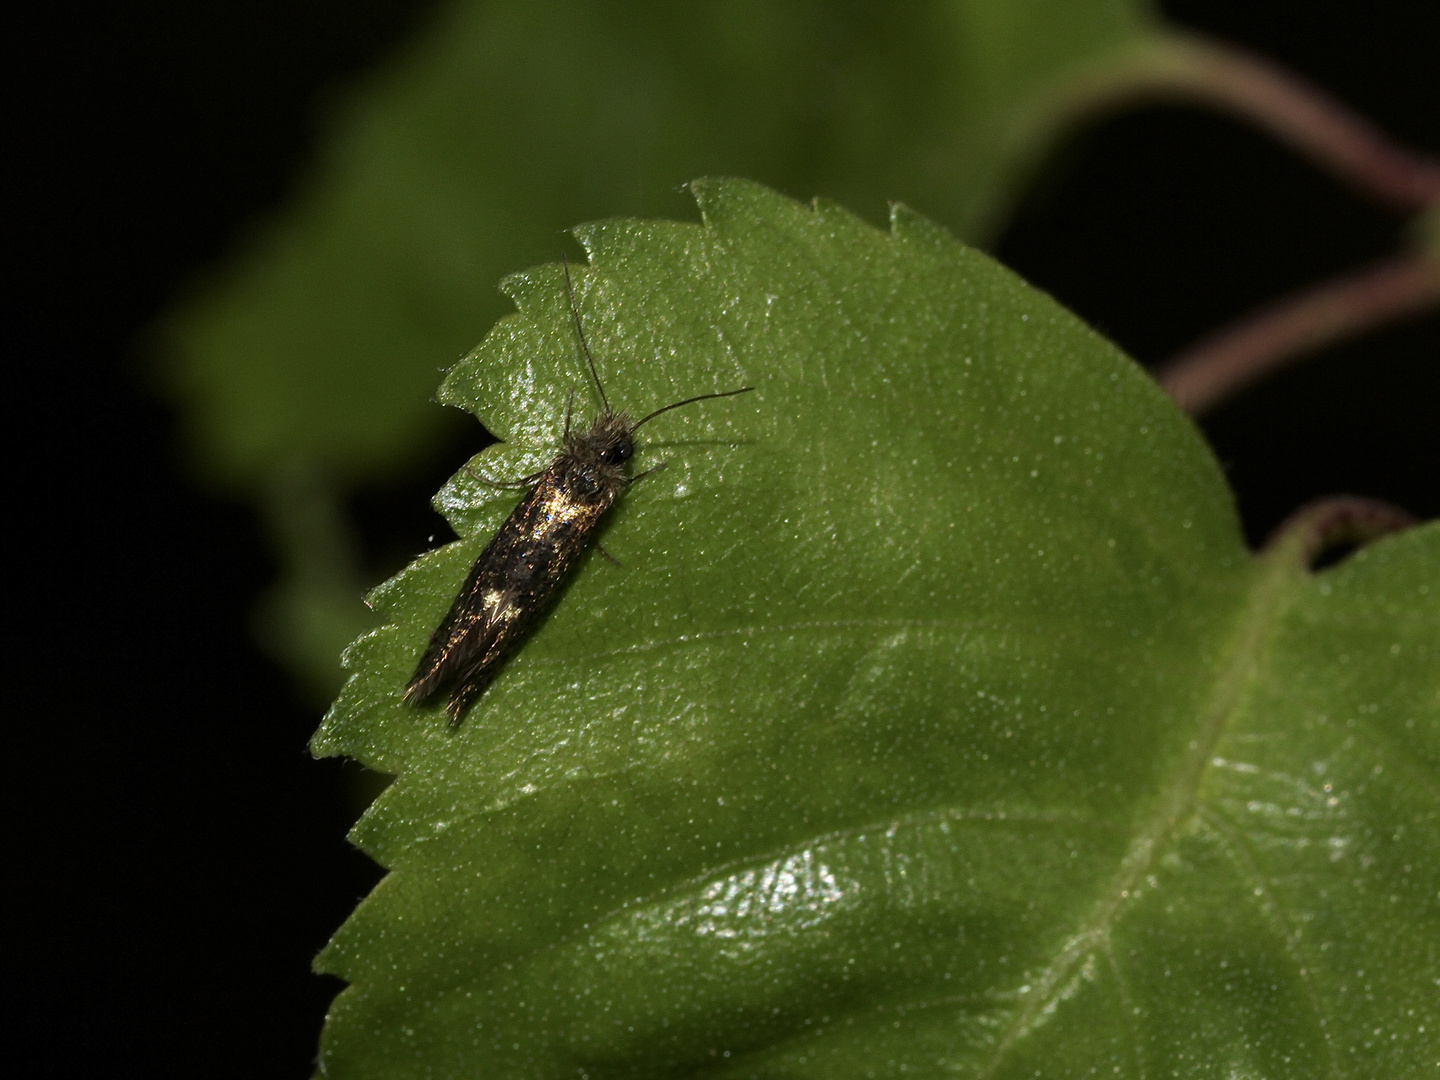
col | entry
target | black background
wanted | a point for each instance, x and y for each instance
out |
(175, 857)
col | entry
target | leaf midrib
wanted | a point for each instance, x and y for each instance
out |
(1176, 802)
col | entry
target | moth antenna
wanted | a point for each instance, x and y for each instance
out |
(690, 401)
(575, 314)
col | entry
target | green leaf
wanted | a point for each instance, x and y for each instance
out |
(502, 124)
(936, 723)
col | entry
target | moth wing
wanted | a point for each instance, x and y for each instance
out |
(466, 634)
(493, 642)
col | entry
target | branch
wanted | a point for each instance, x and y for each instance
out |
(1336, 521)
(1309, 120)
(1176, 67)
(1214, 369)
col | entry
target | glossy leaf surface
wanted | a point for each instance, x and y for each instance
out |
(936, 723)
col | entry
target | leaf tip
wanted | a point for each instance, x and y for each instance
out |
(726, 198)
(911, 225)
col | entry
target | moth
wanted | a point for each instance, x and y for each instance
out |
(522, 568)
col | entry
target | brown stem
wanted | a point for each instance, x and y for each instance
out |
(1183, 67)
(1238, 355)
(1327, 523)
(1171, 66)
(1311, 121)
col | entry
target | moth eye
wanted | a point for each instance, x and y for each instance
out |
(618, 454)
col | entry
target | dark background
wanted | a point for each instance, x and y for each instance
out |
(176, 856)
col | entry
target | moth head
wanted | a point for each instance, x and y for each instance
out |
(609, 443)
(618, 452)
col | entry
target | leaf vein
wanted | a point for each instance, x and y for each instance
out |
(1234, 846)
(1176, 803)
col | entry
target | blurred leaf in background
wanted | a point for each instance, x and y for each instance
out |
(306, 369)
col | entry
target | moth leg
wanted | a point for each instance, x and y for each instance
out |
(647, 472)
(600, 548)
(506, 485)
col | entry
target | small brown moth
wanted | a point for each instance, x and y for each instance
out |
(526, 561)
